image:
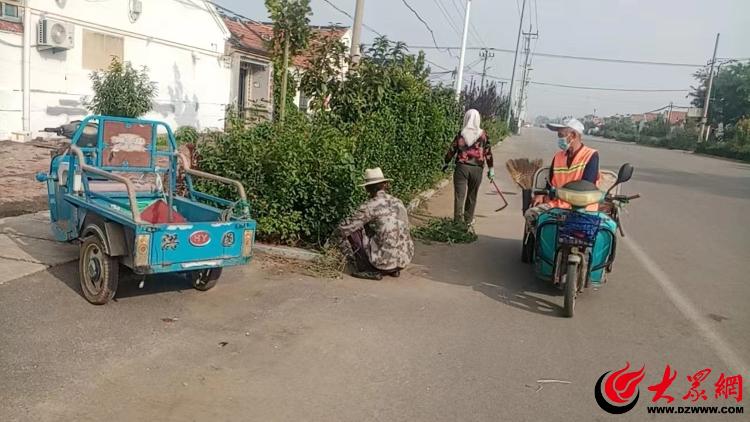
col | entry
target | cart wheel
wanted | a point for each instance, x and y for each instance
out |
(571, 288)
(98, 272)
(204, 279)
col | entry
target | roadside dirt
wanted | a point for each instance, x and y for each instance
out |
(20, 193)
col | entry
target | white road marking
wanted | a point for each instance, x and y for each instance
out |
(688, 309)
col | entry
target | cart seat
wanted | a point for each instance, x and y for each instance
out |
(99, 186)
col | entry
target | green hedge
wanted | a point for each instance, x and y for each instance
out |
(725, 149)
(302, 178)
(496, 130)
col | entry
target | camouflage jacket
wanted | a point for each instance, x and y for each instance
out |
(386, 224)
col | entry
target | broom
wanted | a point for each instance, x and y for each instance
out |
(522, 171)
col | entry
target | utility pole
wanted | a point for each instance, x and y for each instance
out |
(513, 72)
(704, 120)
(459, 79)
(526, 73)
(284, 76)
(485, 54)
(357, 31)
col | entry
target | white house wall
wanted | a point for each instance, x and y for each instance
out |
(10, 84)
(180, 42)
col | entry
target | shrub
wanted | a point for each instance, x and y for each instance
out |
(302, 178)
(725, 149)
(626, 137)
(496, 130)
(681, 138)
(185, 135)
(122, 91)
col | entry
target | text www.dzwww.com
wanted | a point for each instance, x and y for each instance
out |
(697, 409)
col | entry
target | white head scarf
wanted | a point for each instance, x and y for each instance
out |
(471, 131)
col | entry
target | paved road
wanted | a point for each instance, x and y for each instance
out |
(464, 335)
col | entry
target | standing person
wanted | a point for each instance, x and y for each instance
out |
(376, 237)
(472, 150)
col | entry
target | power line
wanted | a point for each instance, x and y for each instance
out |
(446, 15)
(426, 25)
(568, 56)
(224, 10)
(592, 88)
(437, 65)
(457, 7)
(472, 28)
(231, 12)
(369, 28)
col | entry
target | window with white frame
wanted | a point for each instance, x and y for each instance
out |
(10, 11)
(99, 49)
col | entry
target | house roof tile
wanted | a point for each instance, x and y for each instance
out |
(254, 37)
(11, 26)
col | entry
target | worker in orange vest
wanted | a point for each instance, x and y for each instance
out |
(575, 161)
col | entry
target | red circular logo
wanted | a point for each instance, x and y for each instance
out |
(199, 238)
(620, 392)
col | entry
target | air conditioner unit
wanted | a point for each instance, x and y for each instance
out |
(54, 34)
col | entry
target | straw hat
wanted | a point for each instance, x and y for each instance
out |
(374, 176)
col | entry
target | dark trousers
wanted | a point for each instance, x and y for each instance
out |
(466, 181)
(360, 257)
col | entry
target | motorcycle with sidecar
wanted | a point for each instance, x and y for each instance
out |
(572, 247)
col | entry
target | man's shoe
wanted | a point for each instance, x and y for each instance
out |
(368, 275)
(396, 273)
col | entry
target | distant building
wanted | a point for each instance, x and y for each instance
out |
(677, 118)
(251, 90)
(181, 42)
(645, 117)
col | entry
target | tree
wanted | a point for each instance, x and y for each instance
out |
(325, 67)
(485, 100)
(291, 33)
(122, 91)
(730, 94)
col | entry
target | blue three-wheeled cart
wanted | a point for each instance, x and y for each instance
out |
(114, 190)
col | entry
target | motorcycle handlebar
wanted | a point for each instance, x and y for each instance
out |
(52, 129)
(624, 198)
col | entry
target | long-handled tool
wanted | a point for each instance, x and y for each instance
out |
(499, 192)
(522, 171)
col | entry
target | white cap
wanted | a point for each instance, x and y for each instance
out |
(569, 123)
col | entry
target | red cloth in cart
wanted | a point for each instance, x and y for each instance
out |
(158, 213)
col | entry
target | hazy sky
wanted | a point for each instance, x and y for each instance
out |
(679, 31)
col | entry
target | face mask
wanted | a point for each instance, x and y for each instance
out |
(562, 143)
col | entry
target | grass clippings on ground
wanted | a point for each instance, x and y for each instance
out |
(444, 230)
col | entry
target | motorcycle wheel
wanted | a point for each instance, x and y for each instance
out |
(571, 287)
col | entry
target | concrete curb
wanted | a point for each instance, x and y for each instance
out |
(287, 252)
(308, 255)
(426, 195)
